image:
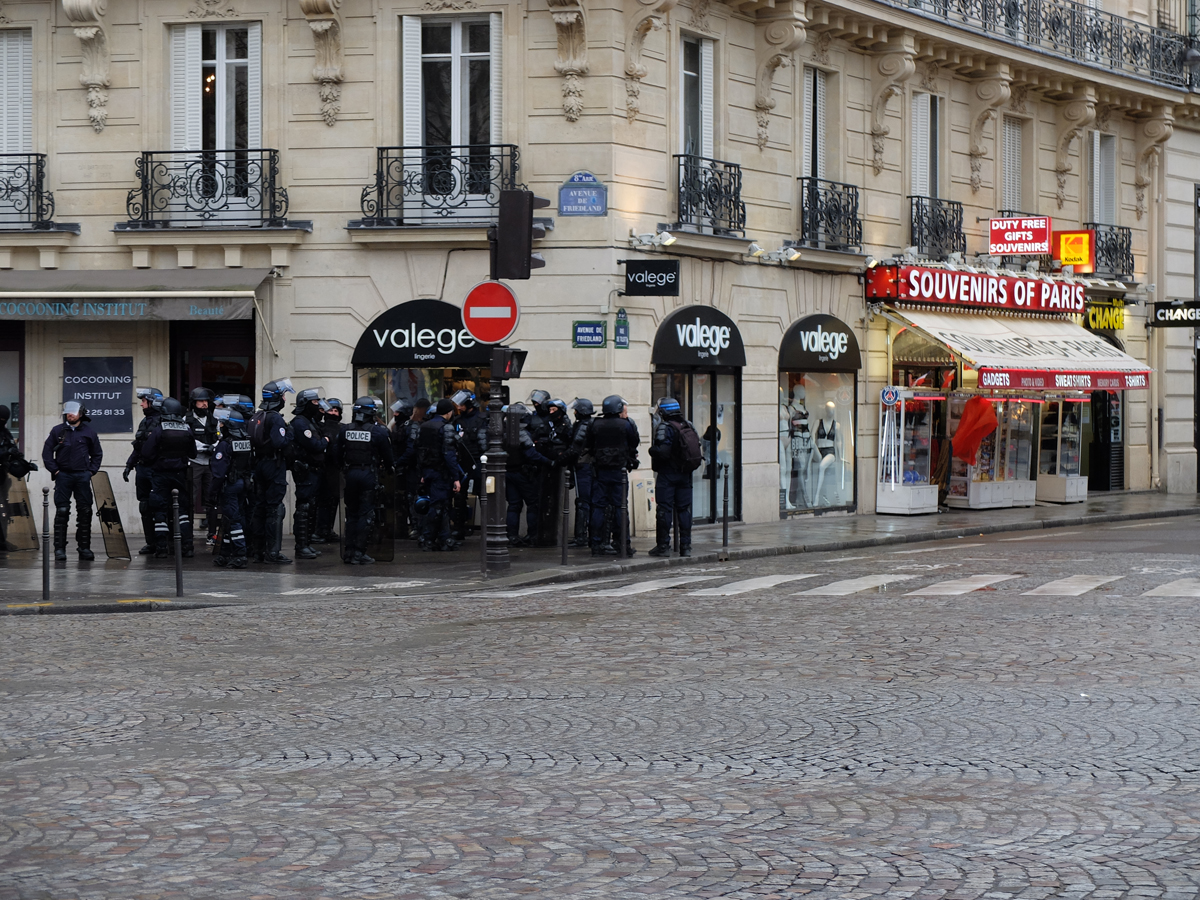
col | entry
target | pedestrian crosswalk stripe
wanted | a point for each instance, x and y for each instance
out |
(525, 592)
(938, 549)
(1182, 587)
(853, 585)
(1072, 586)
(644, 587)
(956, 586)
(748, 585)
(1039, 536)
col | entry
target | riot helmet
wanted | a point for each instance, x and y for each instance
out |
(310, 396)
(401, 410)
(465, 399)
(335, 409)
(200, 395)
(613, 404)
(539, 399)
(73, 408)
(172, 407)
(422, 505)
(149, 396)
(521, 411)
(668, 406)
(583, 407)
(273, 391)
(364, 410)
(559, 405)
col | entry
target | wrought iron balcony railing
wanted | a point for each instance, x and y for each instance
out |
(24, 201)
(213, 188)
(936, 227)
(829, 215)
(710, 195)
(1072, 30)
(1114, 251)
(432, 185)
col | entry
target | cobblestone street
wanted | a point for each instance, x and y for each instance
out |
(996, 717)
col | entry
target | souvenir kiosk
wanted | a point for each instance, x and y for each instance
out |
(1013, 343)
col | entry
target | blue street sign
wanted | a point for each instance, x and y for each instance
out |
(583, 195)
(621, 332)
(589, 334)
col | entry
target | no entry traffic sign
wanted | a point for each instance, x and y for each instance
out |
(490, 312)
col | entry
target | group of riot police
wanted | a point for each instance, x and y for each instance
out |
(236, 459)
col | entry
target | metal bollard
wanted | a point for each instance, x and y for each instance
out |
(178, 532)
(723, 556)
(45, 545)
(566, 512)
(481, 495)
(623, 516)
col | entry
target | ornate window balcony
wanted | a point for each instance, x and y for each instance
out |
(438, 185)
(25, 204)
(936, 227)
(710, 196)
(1114, 251)
(1072, 30)
(216, 189)
(829, 215)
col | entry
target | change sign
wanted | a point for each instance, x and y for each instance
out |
(104, 385)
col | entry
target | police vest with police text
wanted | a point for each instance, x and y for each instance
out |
(358, 452)
(176, 441)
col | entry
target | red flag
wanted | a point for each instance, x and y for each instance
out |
(977, 422)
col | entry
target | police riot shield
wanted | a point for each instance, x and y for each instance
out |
(381, 539)
(17, 527)
(115, 545)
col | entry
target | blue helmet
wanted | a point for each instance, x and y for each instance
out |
(668, 405)
(613, 404)
(273, 392)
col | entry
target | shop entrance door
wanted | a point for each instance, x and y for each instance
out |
(712, 400)
(215, 355)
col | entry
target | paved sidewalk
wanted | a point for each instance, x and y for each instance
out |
(102, 584)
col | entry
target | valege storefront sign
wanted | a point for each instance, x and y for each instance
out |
(975, 289)
(698, 336)
(819, 343)
(420, 334)
(104, 385)
(651, 277)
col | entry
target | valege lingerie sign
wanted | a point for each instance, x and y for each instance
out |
(974, 289)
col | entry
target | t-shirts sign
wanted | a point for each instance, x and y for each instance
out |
(104, 385)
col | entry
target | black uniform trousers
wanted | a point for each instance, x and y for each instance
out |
(79, 486)
(360, 506)
(161, 485)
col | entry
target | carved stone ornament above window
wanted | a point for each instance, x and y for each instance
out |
(892, 70)
(454, 5)
(325, 20)
(647, 16)
(87, 18)
(778, 34)
(1073, 117)
(1152, 133)
(212, 9)
(570, 21)
(991, 93)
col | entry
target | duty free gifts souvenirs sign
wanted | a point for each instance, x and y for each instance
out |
(104, 385)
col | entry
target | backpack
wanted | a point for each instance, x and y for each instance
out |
(258, 430)
(686, 451)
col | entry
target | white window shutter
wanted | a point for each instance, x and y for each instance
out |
(254, 131)
(496, 70)
(1108, 179)
(810, 116)
(186, 74)
(920, 145)
(819, 82)
(1011, 147)
(706, 98)
(413, 119)
(1096, 178)
(16, 91)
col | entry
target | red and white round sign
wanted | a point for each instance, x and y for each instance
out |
(490, 312)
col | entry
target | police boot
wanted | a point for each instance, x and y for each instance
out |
(604, 544)
(186, 540)
(581, 530)
(148, 532)
(83, 534)
(61, 514)
(274, 539)
(662, 539)
(300, 531)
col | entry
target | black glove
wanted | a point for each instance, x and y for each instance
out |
(54, 476)
(125, 474)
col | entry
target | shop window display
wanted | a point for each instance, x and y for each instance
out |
(816, 441)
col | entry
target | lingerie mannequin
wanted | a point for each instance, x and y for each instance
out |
(797, 450)
(826, 445)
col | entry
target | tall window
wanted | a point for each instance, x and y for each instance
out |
(697, 79)
(216, 86)
(1104, 178)
(924, 145)
(814, 123)
(16, 91)
(452, 87)
(1012, 134)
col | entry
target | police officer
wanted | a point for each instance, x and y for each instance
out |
(150, 398)
(581, 470)
(11, 463)
(270, 442)
(441, 474)
(410, 471)
(72, 455)
(613, 442)
(232, 464)
(307, 465)
(362, 448)
(523, 467)
(402, 411)
(330, 488)
(167, 451)
(673, 477)
(471, 425)
(203, 424)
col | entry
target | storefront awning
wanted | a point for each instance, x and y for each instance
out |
(1031, 354)
(129, 294)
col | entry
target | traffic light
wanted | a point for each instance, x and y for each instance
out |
(515, 234)
(507, 362)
